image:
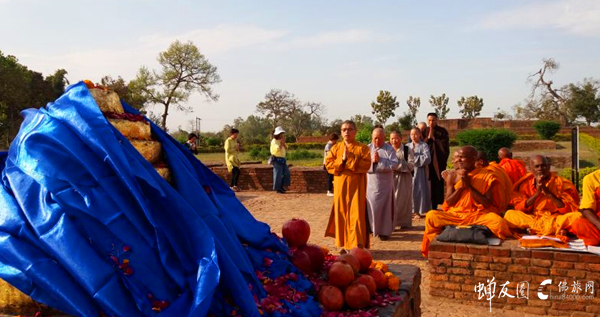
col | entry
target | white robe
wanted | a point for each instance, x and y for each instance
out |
(403, 189)
(380, 190)
(421, 191)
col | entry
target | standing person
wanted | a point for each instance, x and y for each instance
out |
(422, 126)
(349, 162)
(438, 140)
(191, 143)
(402, 182)
(333, 137)
(281, 172)
(232, 150)
(380, 185)
(420, 152)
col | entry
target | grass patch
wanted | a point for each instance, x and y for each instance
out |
(296, 157)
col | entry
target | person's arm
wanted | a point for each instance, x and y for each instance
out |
(591, 217)
(334, 162)
(486, 199)
(359, 162)
(453, 195)
(388, 162)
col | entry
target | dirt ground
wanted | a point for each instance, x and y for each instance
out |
(402, 247)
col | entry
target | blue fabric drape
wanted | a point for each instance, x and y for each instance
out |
(88, 227)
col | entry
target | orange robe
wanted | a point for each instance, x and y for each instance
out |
(590, 199)
(514, 168)
(506, 185)
(347, 222)
(467, 211)
(543, 217)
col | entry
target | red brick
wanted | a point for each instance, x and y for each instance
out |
(441, 293)
(498, 267)
(582, 314)
(441, 247)
(457, 263)
(517, 253)
(589, 258)
(539, 302)
(480, 265)
(479, 250)
(562, 265)
(594, 267)
(568, 306)
(558, 272)
(522, 261)
(440, 255)
(536, 279)
(581, 266)
(467, 288)
(541, 263)
(576, 274)
(522, 277)
(531, 310)
(452, 286)
(436, 284)
(468, 295)
(463, 257)
(439, 269)
(456, 278)
(459, 271)
(502, 260)
(515, 268)
(462, 248)
(483, 258)
(538, 270)
(438, 277)
(544, 255)
(566, 256)
(593, 309)
(593, 276)
(504, 276)
(484, 273)
(438, 262)
(518, 301)
(500, 252)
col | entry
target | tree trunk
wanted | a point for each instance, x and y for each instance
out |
(164, 117)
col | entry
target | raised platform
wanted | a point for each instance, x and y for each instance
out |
(457, 269)
(410, 292)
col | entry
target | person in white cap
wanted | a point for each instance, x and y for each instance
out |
(281, 172)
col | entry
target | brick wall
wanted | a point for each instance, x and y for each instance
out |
(530, 145)
(457, 268)
(260, 177)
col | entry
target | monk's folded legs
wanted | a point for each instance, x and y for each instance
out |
(556, 224)
(586, 231)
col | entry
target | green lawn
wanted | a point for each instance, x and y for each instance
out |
(219, 158)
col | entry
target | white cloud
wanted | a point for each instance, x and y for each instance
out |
(578, 17)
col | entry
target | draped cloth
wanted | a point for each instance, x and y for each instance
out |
(403, 188)
(514, 168)
(421, 192)
(590, 199)
(467, 211)
(543, 217)
(505, 184)
(380, 190)
(439, 148)
(347, 221)
(88, 227)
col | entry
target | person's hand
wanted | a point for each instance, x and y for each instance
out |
(464, 177)
(376, 157)
(345, 155)
(539, 188)
(430, 136)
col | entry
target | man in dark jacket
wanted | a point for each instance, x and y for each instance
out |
(439, 145)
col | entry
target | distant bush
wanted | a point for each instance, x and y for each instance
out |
(211, 149)
(306, 146)
(590, 141)
(487, 140)
(566, 173)
(546, 129)
(364, 134)
(259, 153)
(302, 155)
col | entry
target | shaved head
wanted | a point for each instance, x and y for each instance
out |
(539, 165)
(481, 160)
(504, 153)
(378, 137)
(466, 158)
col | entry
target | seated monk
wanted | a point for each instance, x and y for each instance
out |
(513, 167)
(545, 203)
(588, 227)
(505, 183)
(473, 200)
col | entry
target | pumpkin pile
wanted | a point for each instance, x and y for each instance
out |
(350, 280)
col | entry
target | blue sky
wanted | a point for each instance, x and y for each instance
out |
(339, 53)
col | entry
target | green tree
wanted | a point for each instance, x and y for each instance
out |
(305, 119)
(253, 130)
(470, 107)
(413, 104)
(384, 106)
(406, 122)
(361, 120)
(125, 91)
(277, 106)
(584, 101)
(440, 104)
(184, 70)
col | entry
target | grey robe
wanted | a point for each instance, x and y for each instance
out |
(380, 190)
(421, 194)
(403, 189)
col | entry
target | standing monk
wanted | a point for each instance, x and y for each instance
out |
(513, 167)
(403, 179)
(438, 140)
(588, 227)
(545, 203)
(380, 185)
(349, 162)
(505, 183)
(473, 200)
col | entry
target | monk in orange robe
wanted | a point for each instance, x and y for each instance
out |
(505, 184)
(349, 162)
(544, 202)
(513, 167)
(588, 227)
(473, 200)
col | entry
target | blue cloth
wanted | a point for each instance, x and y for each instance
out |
(87, 226)
(281, 173)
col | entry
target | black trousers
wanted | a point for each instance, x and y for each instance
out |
(437, 190)
(235, 176)
(330, 182)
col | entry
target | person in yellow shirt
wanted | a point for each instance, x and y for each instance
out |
(588, 227)
(281, 172)
(474, 200)
(232, 150)
(544, 202)
(349, 162)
